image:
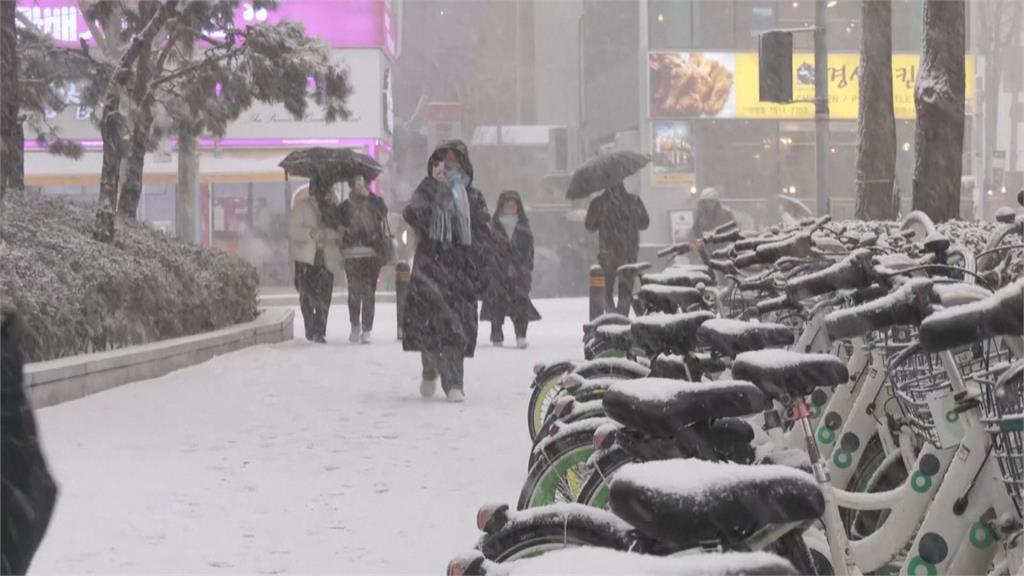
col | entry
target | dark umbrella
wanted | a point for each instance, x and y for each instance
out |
(603, 172)
(330, 164)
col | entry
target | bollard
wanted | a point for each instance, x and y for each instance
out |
(596, 291)
(403, 276)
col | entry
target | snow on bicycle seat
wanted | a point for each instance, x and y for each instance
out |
(609, 318)
(782, 373)
(633, 268)
(677, 277)
(1001, 314)
(668, 298)
(616, 335)
(592, 560)
(669, 333)
(731, 337)
(661, 407)
(611, 367)
(687, 502)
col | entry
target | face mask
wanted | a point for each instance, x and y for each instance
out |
(453, 175)
(509, 222)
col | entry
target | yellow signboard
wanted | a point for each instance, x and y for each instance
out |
(725, 85)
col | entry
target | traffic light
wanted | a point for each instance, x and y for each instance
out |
(775, 66)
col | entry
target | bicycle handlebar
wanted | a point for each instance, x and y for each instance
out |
(906, 306)
(854, 271)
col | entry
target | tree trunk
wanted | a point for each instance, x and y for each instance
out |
(876, 121)
(131, 189)
(939, 99)
(12, 136)
(188, 185)
(110, 125)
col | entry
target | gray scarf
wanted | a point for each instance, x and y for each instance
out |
(452, 212)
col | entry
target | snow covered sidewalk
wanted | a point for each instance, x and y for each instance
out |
(295, 457)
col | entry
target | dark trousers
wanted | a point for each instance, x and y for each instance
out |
(448, 364)
(611, 274)
(497, 327)
(362, 276)
(315, 285)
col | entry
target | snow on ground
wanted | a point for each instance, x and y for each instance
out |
(294, 457)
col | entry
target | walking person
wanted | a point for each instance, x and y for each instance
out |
(711, 213)
(451, 221)
(313, 245)
(618, 217)
(511, 275)
(362, 216)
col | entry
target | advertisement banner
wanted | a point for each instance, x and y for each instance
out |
(673, 154)
(725, 85)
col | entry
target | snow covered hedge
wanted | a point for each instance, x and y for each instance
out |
(77, 295)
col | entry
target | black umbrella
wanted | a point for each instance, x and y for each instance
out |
(604, 171)
(330, 165)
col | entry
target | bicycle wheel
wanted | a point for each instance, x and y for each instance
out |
(535, 455)
(559, 477)
(541, 399)
(595, 490)
(526, 540)
(861, 523)
(792, 547)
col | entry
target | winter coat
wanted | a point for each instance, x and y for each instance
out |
(510, 273)
(362, 218)
(309, 230)
(704, 222)
(29, 492)
(618, 217)
(447, 277)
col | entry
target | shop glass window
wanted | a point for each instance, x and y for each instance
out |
(907, 25)
(753, 17)
(713, 22)
(669, 24)
(797, 14)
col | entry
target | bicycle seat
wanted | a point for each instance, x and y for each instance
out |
(783, 374)
(611, 367)
(633, 268)
(668, 298)
(731, 337)
(610, 318)
(671, 366)
(689, 502)
(668, 333)
(662, 407)
(615, 335)
(676, 277)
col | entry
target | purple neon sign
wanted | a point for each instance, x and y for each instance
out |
(339, 23)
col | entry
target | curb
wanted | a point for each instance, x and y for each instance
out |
(56, 381)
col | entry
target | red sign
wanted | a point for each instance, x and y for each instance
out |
(444, 112)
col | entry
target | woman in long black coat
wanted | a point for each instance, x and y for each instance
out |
(511, 276)
(451, 222)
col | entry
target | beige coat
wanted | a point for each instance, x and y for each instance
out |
(306, 233)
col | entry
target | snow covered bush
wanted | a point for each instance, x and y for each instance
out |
(77, 295)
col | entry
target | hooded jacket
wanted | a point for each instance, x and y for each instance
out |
(447, 277)
(510, 274)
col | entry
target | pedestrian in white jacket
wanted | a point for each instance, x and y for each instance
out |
(313, 245)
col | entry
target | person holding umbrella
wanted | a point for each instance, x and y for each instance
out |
(450, 219)
(313, 225)
(313, 244)
(616, 215)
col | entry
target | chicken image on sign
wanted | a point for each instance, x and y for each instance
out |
(726, 85)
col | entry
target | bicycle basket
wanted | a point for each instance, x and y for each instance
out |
(922, 386)
(1002, 407)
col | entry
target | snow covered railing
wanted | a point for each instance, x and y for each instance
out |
(64, 379)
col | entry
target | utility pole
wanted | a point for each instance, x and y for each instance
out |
(821, 114)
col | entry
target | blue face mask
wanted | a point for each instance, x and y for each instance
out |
(454, 176)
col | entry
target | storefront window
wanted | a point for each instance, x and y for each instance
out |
(670, 24)
(713, 24)
(907, 25)
(753, 17)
